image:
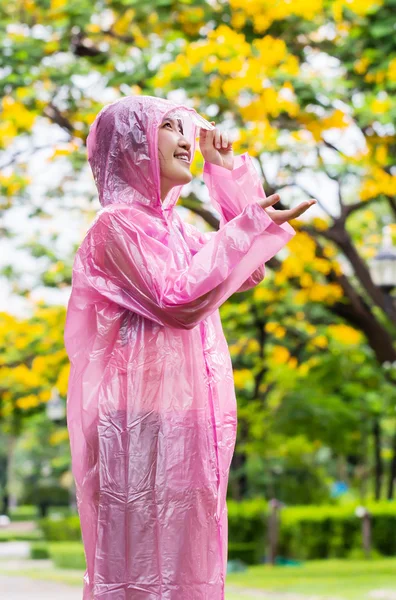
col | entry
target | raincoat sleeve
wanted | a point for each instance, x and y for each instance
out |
(231, 191)
(127, 261)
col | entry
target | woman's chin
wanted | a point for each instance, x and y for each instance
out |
(184, 177)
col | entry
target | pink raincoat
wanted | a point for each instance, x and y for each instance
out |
(151, 405)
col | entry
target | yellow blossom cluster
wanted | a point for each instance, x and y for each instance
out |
(63, 379)
(11, 185)
(45, 364)
(59, 436)
(27, 402)
(391, 71)
(191, 18)
(306, 366)
(279, 355)
(264, 294)
(64, 150)
(243, 378)
(275, 329)
(320, 341)
(237, 66)
(317, 125)
(328, 293)
(377, 182)
(262, 13)
(345, 334)
(15, 118)
(20, 377)
(381, 105)
(359, 7)
(257, 138)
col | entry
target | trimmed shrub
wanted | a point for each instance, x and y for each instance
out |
(68, 555)
(312, 532)
(25, 512)
(61, 530)
(247, 526)
(39, 550)
(20, 536)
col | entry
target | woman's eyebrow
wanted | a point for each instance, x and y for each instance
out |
(173, 121)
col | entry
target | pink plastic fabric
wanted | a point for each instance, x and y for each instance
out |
(151, 406)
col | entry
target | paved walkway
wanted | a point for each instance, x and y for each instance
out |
(23, 588)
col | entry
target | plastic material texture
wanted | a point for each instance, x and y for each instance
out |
(151, 406)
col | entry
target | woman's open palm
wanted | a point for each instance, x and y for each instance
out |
(281, 216)
(216, 148)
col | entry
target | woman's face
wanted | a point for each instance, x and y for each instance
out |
(174, 155)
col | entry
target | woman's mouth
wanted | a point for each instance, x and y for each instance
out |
(183, 157)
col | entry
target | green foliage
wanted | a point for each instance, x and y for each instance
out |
(39, 550)
(20, 536)
(68, 555)
(247, 530)
(61, 529)
(27, 512)
(311, 532)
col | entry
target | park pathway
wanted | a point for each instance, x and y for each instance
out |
(23, 588)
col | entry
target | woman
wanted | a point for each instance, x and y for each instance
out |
(151, 405)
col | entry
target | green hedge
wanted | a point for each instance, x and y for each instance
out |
(20, 536)
(61, 530)
(25, 512)
(247, 528)
(311, 532)
(306, 532)
(39, 550)
(67, 555)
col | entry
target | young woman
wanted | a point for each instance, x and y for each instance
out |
(151, 406)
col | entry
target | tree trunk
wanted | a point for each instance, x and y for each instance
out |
(378, 466)
(392, 470)
(10, 501)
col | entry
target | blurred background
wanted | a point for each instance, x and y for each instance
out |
(308, 88)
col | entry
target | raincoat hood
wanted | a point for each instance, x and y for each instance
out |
(123, 149)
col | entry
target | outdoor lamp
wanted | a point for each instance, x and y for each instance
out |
(383, 265)
(55, 406)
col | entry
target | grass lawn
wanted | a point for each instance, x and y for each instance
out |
(343, 579)
(330, 580)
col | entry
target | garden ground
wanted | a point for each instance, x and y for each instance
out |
(316, 580)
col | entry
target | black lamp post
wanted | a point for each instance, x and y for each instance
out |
(383, 265)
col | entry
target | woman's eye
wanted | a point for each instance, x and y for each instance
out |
(170, 125)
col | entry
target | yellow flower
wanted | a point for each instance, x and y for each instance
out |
(280, 355)
(242, 378)
(345, 334)
(280, 332)
(271, 326)
(253, 346)
(381, 105)
(321, 341)
(264, 294)
(27, 402)
(59, 436)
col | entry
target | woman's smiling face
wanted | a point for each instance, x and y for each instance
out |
(174, 155)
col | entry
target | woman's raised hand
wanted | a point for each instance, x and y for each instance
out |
(281, 216)
(216, 147)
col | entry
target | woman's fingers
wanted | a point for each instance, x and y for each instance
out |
(217, 139)
(297, 211)
(282, 216)
(270, 200)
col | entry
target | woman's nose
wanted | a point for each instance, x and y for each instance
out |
(185, 143)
